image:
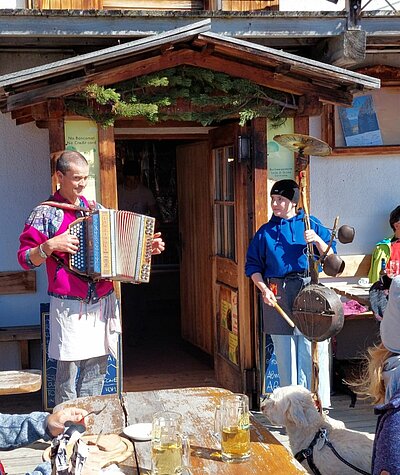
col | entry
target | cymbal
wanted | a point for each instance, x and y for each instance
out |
(304, 144)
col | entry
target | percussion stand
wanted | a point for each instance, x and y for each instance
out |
(313, 270)
(305, 146)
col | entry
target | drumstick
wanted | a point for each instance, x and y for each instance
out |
(283, 314)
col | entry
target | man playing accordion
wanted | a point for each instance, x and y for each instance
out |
(84, 313)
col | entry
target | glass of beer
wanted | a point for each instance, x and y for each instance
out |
(232, 425)
(170, 449)
(393, 268)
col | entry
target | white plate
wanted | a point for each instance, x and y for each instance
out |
(363, 286)
(141, 431)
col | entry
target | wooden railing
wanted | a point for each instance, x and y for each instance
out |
(187, 5)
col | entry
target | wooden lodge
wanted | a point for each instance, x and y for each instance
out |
(221, 176)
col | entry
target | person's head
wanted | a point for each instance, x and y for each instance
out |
(284, 198)
(371, 382)
(132, 172)
(394, 219)
(72, 170)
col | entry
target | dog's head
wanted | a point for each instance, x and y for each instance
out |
(291, 405)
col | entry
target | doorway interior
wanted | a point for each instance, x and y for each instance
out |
(155, 356)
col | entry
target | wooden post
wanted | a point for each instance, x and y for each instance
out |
(108, 176)
(55, 109)
(260, 191)
(108, 171)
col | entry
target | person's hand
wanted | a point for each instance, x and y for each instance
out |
(311, 236)
(384, 472)
(56, 421)
(268, 296)
(64, 242)
(158, 245)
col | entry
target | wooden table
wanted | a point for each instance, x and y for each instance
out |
(351, 290)
(17, 382)
(197, 406)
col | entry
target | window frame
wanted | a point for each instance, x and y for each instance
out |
(223, 186)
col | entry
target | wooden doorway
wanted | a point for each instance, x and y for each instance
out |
(234, 357)
(157, 352)
(196, 243)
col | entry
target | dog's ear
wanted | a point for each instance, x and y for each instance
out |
(296, 412)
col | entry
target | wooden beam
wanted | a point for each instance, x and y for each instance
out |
(173, 59)
(309, 105)
(24, 112)
(19, 282)
(24, 120)
(40, 111)
(346, 50)
(56, 135)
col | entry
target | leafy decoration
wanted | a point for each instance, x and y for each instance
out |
(183, 93)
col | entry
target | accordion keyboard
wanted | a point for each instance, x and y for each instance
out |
(78, 260)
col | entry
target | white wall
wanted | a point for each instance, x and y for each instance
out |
(24, 182)
(360, 190)
(325, 5)
(13, 4)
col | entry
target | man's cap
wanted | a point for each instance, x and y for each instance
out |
(394, 216)
(288, 189)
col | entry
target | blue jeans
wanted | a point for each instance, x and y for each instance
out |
(90, 379)
(293, 356)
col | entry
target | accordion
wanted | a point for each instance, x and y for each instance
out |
(114, 245)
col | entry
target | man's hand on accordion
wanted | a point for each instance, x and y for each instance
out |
(158, 245)
(64, 242)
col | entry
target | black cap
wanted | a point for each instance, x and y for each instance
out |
(288, 189)
(394, 217)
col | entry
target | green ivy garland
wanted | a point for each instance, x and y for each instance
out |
(210, 97)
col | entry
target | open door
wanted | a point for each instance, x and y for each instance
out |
(196, 243)
(234, 358)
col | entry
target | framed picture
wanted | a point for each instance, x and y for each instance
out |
(360, 123)
(113, 380)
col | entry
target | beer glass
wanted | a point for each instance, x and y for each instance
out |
(232, 426)
(393, 269)
(170, 450)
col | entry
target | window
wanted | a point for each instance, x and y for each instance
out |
(224, 201)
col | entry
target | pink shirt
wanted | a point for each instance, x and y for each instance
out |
(43, 223)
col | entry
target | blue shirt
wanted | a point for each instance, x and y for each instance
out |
(23, 429)
(279, 247)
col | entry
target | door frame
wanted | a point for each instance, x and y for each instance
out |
(229, 273)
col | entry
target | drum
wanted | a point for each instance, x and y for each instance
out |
(318, 312)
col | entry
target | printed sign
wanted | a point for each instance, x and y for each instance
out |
(113, 379)
(280, 160)
(228, 339)
(82, 136)
(271, 367)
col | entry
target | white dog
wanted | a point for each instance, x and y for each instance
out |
(293, 407)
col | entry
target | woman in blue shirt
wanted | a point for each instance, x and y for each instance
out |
(277, 263)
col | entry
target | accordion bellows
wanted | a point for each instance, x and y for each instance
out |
(113, 245)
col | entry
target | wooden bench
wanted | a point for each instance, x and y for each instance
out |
(22, 335)
(356, 265)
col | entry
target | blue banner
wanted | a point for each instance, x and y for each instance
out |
(113, 379)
